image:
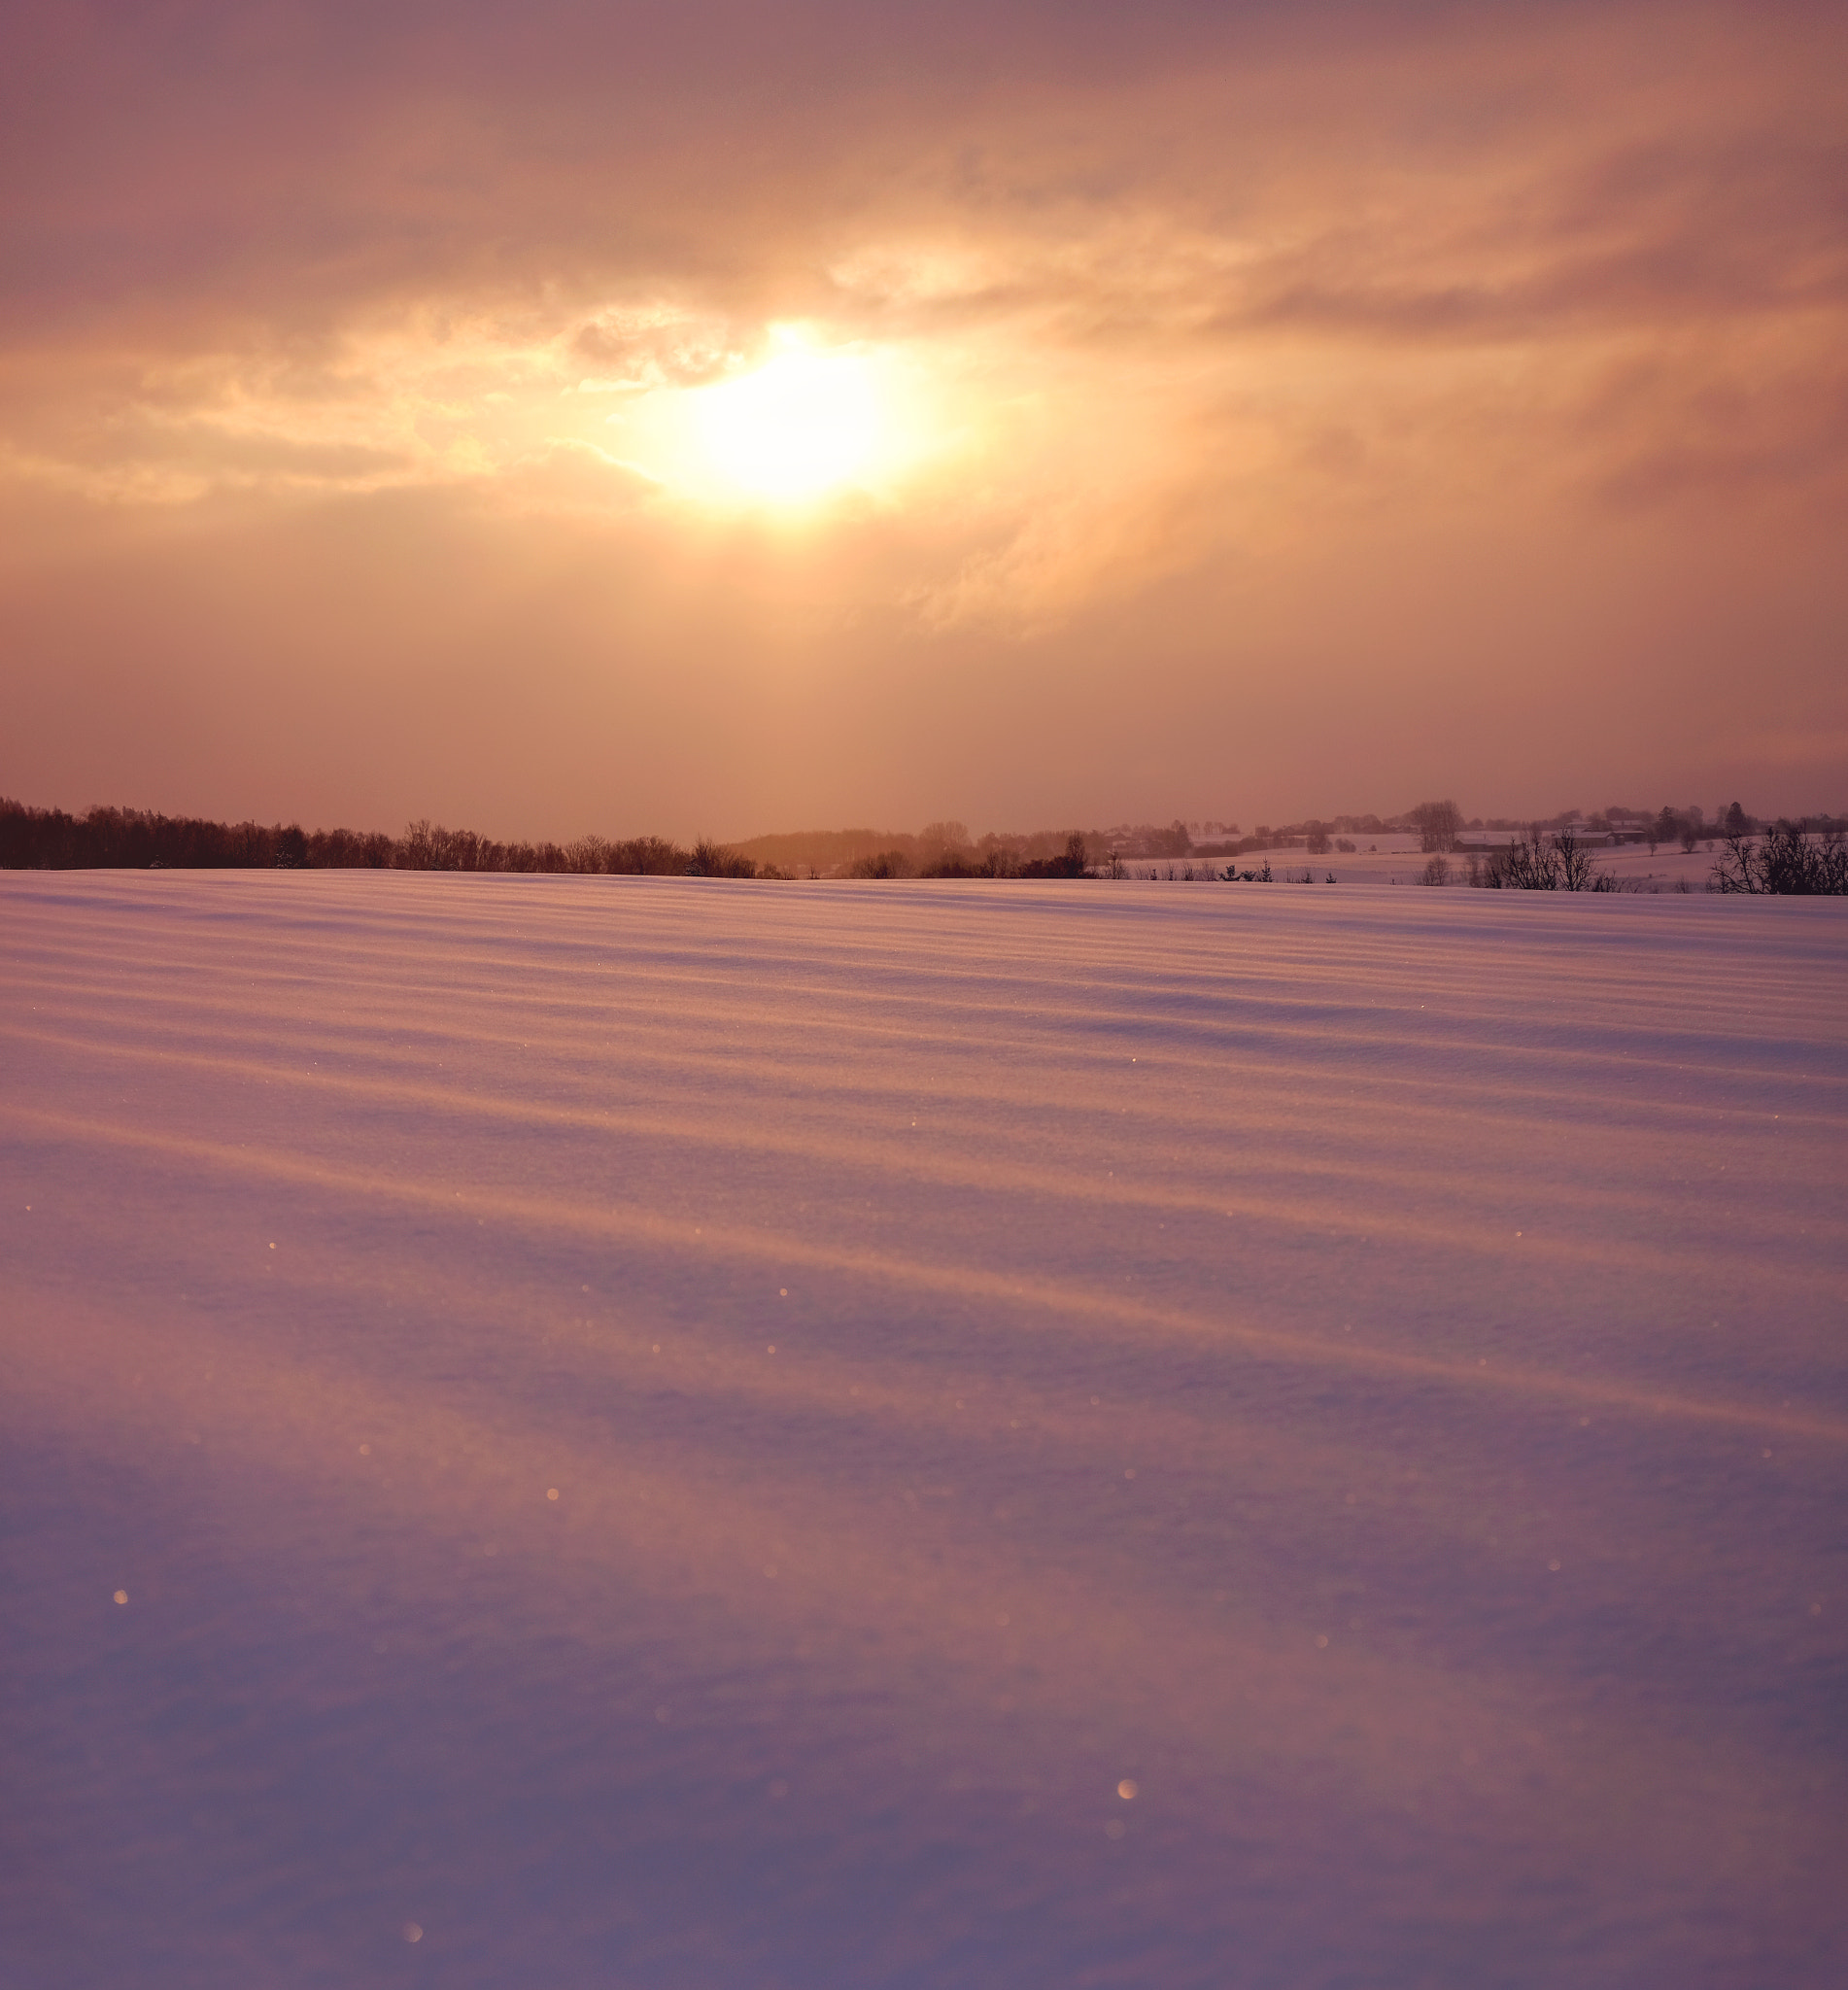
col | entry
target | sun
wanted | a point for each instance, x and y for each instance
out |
(812, 420)
(803, 424)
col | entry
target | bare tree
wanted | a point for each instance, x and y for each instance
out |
(1791, 860)
(1538, 862)
(1438, 824)
(714, 860)
(1577, 872)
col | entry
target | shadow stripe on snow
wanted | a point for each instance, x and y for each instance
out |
(756, 1246)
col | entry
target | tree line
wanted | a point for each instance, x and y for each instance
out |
(1789, 857)
(141, 839)
(134, 839)
(993, 858)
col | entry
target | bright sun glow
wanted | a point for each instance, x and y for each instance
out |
(804, 423)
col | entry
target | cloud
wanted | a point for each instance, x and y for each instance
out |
(641, 348)
(575, 476)
(1187, 314)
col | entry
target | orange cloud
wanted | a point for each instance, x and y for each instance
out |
(1223, 358)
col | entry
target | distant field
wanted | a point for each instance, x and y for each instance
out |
(647, 1433)
(1400, 860)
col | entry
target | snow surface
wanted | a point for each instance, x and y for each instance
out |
(1366, 1367)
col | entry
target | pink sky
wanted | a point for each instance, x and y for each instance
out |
(728, 419)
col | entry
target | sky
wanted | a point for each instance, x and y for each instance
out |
(728, 418)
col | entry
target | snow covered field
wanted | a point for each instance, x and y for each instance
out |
(1401, 860)
(658, 1433)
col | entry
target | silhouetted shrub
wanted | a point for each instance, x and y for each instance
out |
(1538, 862)
(1789, 860)
(965, 863)
(714, 860)
(1071, 862)
(646, 856)
(994, 861)
(884, 864)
